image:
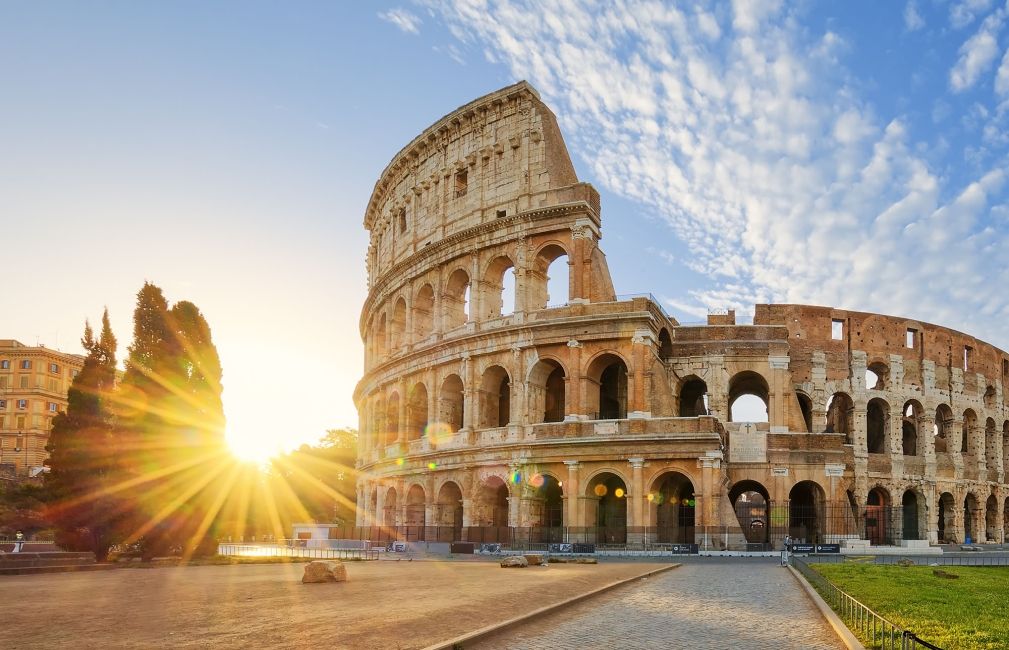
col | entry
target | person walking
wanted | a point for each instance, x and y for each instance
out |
(19, 540)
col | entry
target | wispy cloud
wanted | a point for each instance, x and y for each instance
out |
(978, 52)
(403, 19)
(912, 19)
(760, 154)
(963, 13)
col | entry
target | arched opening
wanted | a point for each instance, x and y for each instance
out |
(456, 299)
(392, 419)
(969, 424)
(673, 506)
(989, 397)
(991, 519)
(877, 376)
(991, 444)
(1005, 520)
(751, 503)
(909, 433)
(423, 313)
(390, 509)
(546, 508)
(693, 398)
(877, 517)
(840, 412)
(380, 340)
(607, 494)
(609, 402)
(665, 344)
(495, 398)
(806, 409)
(943, 428)
(399, 325)
(946, 519)
(877, 425)
(416, 413)
(912, 509)
(449, 512)
(493, 505)
(748, 397)
(451, 404)
(416, 517)
(805, 512)
(499, 291)
(547, 386)
(970, 513)
(549, 281)
(374, 517)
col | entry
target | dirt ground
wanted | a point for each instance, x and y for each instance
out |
(385, 604)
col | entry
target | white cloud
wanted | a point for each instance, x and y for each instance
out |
(761, 157)
(1002, 76)
(403, 19)
(912, 19)
(963, 13)
(977, 53)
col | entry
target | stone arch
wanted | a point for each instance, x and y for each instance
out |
(991, 519)
(752, 504)
(448, 510)
(546, 507)
(451, 404)
(943, 429)
(805, 409)
(416, 412)
(381, 338)
(492, 505)
(972, 517)
(911, 434)
(672, 502)
(551, 258)
(877, 425)
(606, 502)
(423, 313)
(416, 512)
(693, 397)
(989, 397)
(547, 391)
(877, 376)
(609, 401)
(456, 300)
(806, 503)
(946, 522)
(1005, 445)
(992, 441)
(913, 508)
(390, 507)
(878, 529)
(840, 415)
(751, 387)
(495, 397)
(398, 325)
(969, 424)
(495, 279)
(665, 344)
(392, 419)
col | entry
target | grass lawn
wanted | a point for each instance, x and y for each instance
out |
(969, 612)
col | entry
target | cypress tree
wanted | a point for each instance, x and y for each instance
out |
(81, 447)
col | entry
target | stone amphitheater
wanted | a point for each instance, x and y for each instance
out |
(492, 409)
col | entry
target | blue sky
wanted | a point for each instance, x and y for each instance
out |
(852, 154)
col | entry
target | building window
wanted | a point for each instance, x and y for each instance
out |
(461, 183)
(26, 364)
(837, 330)
(3, 403)
(968, 354)
(22, 404)
(24, 381)
(21, 422)
(52, 407)
(402, 220)
(910, 337)
(54, 367)
(5, 364)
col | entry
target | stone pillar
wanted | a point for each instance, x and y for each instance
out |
(380, 505)
(571, 495)
(779, 388)
(404, 400)
(575, 406)
(932, 512)
(637, 406)
(818, 375)
(636, 503)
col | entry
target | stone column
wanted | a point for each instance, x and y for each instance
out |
(638, 405)
(571, 495)
(636, 502)
(575, 407)
(404, 400)
(380, 505)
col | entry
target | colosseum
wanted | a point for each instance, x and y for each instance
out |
(493, 411)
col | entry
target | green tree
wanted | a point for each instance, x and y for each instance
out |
(82, 470)
(172, 420)
(321, 478)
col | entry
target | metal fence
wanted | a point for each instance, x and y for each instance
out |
(946, 559)
(277, 550)
(874, 630)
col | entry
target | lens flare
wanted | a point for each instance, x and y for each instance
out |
(515, 478)
(618, 493)
(432, 465)
(600, 490)
(400, 461)
(537, 480)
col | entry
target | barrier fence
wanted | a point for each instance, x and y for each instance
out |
(874, 630)
(295, 551)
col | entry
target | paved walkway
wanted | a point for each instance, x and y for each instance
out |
(716, 603)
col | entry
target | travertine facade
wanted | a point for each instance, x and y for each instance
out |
(33, 388)
(606, 419)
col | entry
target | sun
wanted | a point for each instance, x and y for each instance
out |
(248, 447)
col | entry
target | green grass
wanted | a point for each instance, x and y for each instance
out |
(969, 612)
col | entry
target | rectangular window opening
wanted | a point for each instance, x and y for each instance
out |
(968, 353)
(461, 184)
(837, 330)
(402, 221)
(1005, 370)
(501, 214)
(911, 336)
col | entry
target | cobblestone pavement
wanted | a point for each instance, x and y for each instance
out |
(716, 603)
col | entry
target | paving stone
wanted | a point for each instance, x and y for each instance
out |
(703, 604)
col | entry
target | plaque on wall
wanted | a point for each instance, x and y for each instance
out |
(747, 445)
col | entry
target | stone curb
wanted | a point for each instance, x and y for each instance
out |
(842, 631)
(484, 632)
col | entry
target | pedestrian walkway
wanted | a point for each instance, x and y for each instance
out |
(706, 603)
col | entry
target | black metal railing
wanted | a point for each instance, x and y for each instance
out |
(874, 630)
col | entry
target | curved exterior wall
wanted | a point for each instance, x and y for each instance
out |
(606, 420)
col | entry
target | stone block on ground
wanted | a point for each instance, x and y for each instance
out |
(324, 571)
(587, 560)
(535, 559)
(514, 561)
